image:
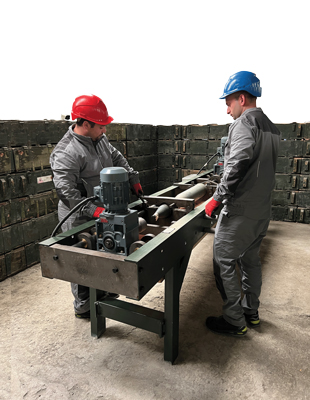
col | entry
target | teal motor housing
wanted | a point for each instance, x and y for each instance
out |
(117, 226)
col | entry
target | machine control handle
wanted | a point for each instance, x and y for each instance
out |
(213, 216)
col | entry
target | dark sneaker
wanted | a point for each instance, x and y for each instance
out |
(83, 315)
(219, 325)
(111, 295)
(252, 319)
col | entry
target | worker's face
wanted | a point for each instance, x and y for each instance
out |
(96, 132)
(234, 107)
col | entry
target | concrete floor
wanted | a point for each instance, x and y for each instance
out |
(46, 353)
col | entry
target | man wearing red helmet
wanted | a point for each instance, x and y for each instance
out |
(76, 162)
(245, 190)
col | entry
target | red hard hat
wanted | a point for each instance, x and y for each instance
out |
(91, 108)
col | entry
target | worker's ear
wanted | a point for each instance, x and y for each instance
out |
(86, 125)
(242, 99)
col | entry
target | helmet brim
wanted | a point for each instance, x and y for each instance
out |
(106, 122)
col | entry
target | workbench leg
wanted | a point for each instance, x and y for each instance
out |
(97, 322)
(173, 283)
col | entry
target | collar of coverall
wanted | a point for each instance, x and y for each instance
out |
(83, 139)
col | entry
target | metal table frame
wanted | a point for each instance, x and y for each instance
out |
(134, 275)
(163, 323)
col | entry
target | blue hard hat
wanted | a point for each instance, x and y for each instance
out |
(242, 80)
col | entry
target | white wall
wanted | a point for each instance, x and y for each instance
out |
(156, 62)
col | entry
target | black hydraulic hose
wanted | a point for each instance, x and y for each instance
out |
(211, 158)
(79, 205)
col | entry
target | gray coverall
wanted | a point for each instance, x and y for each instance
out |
(76, 162)
(245, 190)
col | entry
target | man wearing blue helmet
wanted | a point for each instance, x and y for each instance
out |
(245, 191)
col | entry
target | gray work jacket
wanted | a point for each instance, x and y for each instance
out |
(76, 162)
(251, 153)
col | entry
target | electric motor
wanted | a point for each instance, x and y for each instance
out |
(117, 227)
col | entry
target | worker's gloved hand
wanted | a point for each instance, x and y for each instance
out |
(98, 211)
(137, 188)
(211, 206)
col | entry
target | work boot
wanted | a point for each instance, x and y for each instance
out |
(221, 326)
(252, 319)
(82, 315)
(109, 295)
(112, 295)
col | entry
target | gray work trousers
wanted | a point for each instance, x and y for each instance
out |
(80, 293)
(237, 240)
